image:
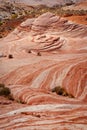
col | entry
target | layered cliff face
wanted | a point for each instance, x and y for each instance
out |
(47, 51)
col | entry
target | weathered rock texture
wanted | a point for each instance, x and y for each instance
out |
(48, 51)
(46, 2)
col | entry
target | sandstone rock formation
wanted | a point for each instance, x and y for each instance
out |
(48, 51)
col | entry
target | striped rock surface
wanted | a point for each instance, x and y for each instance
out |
(48, 51)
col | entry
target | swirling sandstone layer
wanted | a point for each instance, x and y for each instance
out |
(48, 51)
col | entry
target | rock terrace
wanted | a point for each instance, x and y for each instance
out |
(47, 51)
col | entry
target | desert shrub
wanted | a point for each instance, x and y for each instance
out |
(8, 7)
(61, 91)
(26, 12)
(14, 16)
(1, 23)
(70, 3)
(10, 56)
(4, 90)
(56, 6)
(19, 101)
(79, 12)
(2, 85)
(29, 51)
(82, 12)
(38, 54)
(41, 6)
(10, 97)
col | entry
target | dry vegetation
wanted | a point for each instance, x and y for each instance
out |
(7, 25)
(4, 90)
(61, 91)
